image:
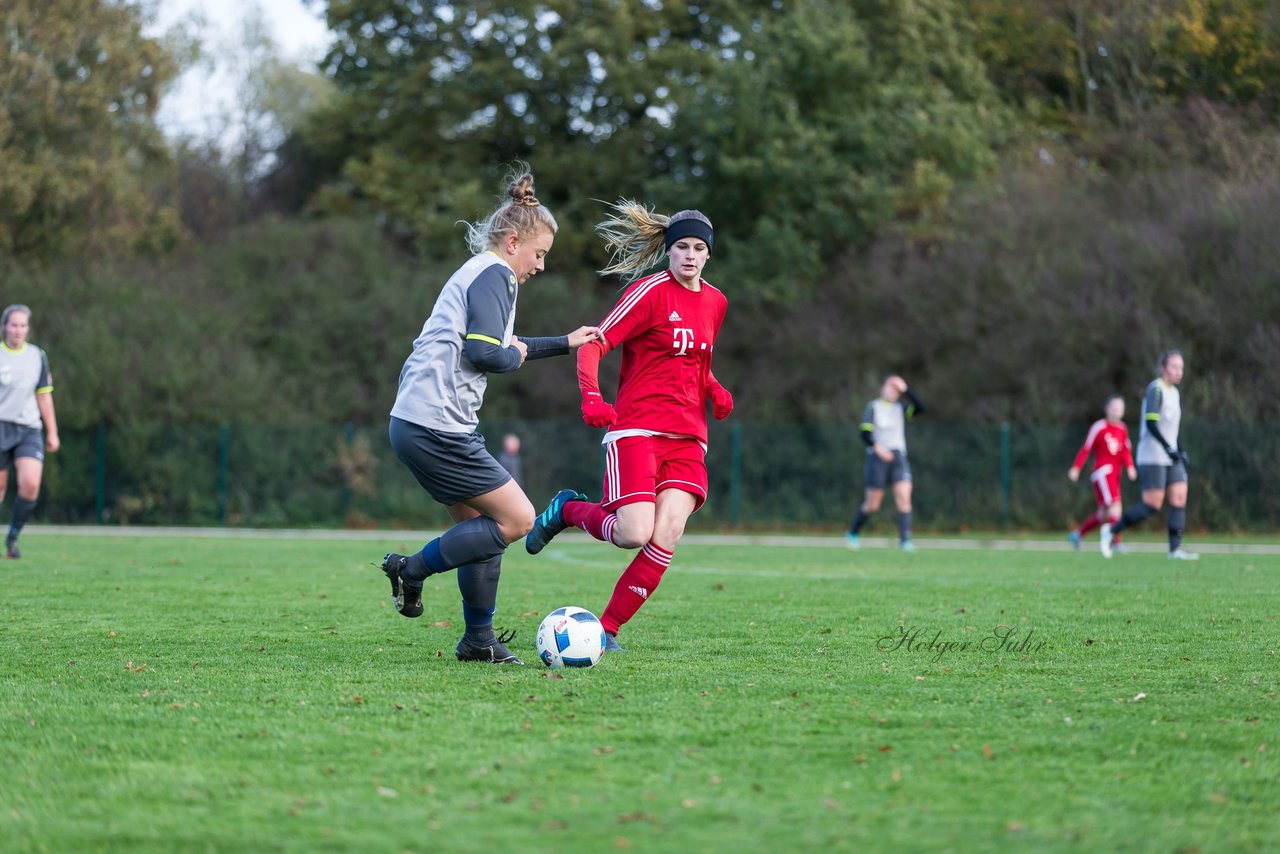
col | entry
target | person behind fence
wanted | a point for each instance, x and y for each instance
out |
(1162, 463)
(469, 334)
(884, 431)
(28, 423)
(656, 441)
(1108, 441)
(509, 458)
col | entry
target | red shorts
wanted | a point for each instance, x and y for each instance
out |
(1106, 485)
(637, 468)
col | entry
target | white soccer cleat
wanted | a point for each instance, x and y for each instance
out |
(1182, 554)
(1104, 539)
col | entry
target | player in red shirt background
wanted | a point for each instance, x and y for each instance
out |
(655, 448)
(1108, 441)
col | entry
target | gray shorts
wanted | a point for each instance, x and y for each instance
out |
(1159, 477)
(878, 472)
(451, 466)
(17, 440)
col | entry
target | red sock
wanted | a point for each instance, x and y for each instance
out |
(1089, 524)
(591, 518)
(638, 581)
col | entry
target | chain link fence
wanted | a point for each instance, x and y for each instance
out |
(763, 476)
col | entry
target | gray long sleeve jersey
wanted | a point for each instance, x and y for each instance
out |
(466, 337)
(1161, 409)
(885, 423)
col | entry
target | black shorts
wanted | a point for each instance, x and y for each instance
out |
(451, 466)
(1159, 477)
(17, 440)
(878, 472)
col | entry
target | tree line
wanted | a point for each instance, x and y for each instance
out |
(1015, 204)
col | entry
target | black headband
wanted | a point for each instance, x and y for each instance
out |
(689, 228)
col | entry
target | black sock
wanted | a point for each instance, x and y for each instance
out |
(21, 512)
(904, 525)
(478, 584)
(471, 541)
(859, 521)
(1132, 516)
(1177, 522)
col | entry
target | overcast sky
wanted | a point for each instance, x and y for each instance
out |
(203, 93)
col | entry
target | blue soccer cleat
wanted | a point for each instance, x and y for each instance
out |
(550, 522)
(851, 541)
(1074, 539)
(611, 643)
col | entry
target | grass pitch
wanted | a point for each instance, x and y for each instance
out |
(261, 695)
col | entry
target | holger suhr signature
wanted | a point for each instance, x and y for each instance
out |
(1002, 639)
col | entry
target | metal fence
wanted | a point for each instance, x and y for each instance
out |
(763, 476)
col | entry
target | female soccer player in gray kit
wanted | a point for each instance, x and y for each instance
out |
(1162, 464)
(433, 423)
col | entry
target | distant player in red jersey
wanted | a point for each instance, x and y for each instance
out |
(655, 447)
(1108, 441)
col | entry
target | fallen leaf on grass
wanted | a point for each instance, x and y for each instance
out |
(1015, 827)
(553, 675)
(387, 792)
(1139, 697)
(442, 624)
(885, 748)
(1218, 798)
(357, 699)
(632, 817)
(986, 751)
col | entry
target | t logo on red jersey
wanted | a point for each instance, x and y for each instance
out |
(684, 339)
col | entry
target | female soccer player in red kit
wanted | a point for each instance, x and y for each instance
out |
(1108, 441)
(655, 447)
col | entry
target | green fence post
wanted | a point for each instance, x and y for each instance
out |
(1005, 467)
(100, 477)
(735, 468)
(349, 436)
(224, 464)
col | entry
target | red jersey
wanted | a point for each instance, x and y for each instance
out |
(1109, 444)
(667, 334)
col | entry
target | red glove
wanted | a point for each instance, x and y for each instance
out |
(721, 402)
(595, 412)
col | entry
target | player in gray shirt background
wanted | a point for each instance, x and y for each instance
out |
(1162, 464)
(884, 431)
(28, 425)
(469, 334)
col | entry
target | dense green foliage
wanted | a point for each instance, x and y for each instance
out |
(260, 694)
(81, 162)
(799, 128)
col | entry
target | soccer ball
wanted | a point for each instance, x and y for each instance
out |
(570, 637)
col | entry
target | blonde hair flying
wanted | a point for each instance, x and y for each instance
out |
(636, 236)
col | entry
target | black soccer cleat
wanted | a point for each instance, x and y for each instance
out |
(11, 548)
(405, 596)
(550, 522)
(492, 652)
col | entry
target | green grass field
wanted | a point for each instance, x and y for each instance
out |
(261, 694)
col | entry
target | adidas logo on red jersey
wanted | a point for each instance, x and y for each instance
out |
(675, 317)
